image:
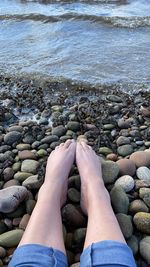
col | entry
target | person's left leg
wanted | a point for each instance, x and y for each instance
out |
(45, 225)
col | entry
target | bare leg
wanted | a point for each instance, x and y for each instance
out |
(95, 200)
(45, 225)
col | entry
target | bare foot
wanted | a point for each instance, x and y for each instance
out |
(89, 167)
(57, 170)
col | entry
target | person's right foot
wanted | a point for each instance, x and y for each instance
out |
(89, 167)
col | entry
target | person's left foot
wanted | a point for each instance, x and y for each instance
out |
(58, 167)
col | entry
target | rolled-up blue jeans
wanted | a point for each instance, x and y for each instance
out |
(105, 253)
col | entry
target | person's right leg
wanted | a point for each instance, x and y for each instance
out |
(102, 223)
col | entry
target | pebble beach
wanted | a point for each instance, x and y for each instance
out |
(115, 124)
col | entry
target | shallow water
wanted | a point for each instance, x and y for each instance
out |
(97, 42)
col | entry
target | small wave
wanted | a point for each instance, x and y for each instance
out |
(128, 22)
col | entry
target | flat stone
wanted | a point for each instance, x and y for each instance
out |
(30, 204)
(112, 157)
(49, 139)
(141, 158)
(126, 182)
(137, 205)
(125, 150)
(122, 140)
(73, 126)
(105, 150)
(12, 137)
(110, 171)
(142, 222)
(29, 165)
(59, 130)
(144, 193)
(119, 199)
(145, 249)
(126, 167)
(133, 244)
(143, 173)
(11, 197)
(8, 174)
(26, 154)
(114, 98)
(33, 182)
(11, 183)
(125, 224)
(124, 124)
(74, 195)
(11, 238)
(72, 216)
(15, 128)
(24, 221)
(21, 176)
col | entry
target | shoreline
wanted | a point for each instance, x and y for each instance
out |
(115, 124)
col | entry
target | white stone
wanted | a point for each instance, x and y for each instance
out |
(126, 182)
(143, 173)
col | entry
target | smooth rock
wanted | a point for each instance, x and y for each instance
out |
(74, 195)
(3, 227)
(11, 238)
(8, 173)
(126, 167)
(72, 216)
(112, 157)
(59, 130)
(105, 150)
(74, 181)
(42, 153)
(122, 140)
(2, 252)
(15, 128)
(133, 244)
(24, 221)
(124, 124)
(142, 222)
(144, 193)
(21, 176)
(11, 197)
(23, 146)
(30, 204)
(110, 171)
(125, 150)
(125, 224)
(49, 139)
(79, 236)
(16, 166)
(143, 173)
(126, 182)
(26, 154)
(73, 126)
(114, 98)
(141, 158)
(11, 183)
(33, 182)
(29, 165)
(12, 137)
(137, 205)
(119, 199)
(18, 212)
(145, 248)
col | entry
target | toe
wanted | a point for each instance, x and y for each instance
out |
(61, 145)
(84, 146)
(68, 143)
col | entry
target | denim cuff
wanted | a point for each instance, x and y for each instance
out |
(107, 253)
(37, 255)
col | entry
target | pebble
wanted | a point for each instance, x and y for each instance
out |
(11, 183)
(79, 236)
(3, 227)
(126, 182)
(33, 182)
(143, 173)
(133, 244)
(73, 126)
(72, 216)
(141, 158)
(23, 146)
(11, 238)
(12, 137)
(26, 154)
(144, 193)
(74, 195)
(29, 165)
(120, 201)
(142, 222)
(145, 248)
(2, 252)
(105, 150)
(125, 150)
(125, 224)
(16, 166)
(126, 167)
(137, 205)
(124, 124)
(122, 140)
(8, 174)
(59, 130)
(110, 171)
(24, 221)
(112, 157)
(21, 176)
(49, 139)
(30, 204)
(114, 98)
(11, 197)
